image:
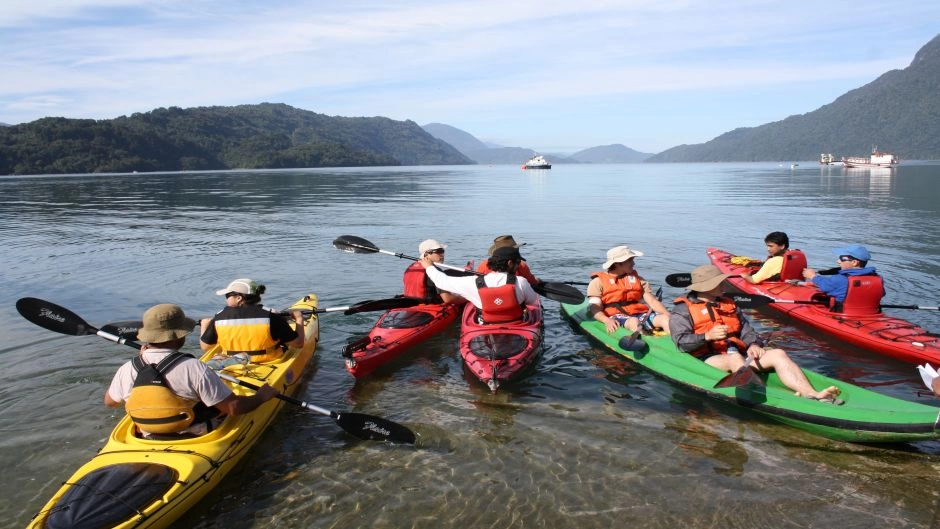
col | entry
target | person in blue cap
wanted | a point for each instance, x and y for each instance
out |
(853, 261)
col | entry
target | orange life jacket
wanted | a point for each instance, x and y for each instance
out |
(621, 294)
(707, 314)
(499, 303)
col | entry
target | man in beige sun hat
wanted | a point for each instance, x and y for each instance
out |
(507, 241)
(170, 394)
(709, 326)
(619, 297)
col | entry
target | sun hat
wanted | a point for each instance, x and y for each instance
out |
(854, 250)
(506, 253)
(619, 254)
(706, 277)
(164, 323)
(241, 286)
(504, 240)
(430, 244)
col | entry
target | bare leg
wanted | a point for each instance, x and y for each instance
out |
(729, 362)
(792, 376)
(662, 321)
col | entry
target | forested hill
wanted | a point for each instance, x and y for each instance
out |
(240, 137)
(899, 112)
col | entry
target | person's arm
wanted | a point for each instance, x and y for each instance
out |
(770, 268)
(681, 330)
(207, 334)
(454, 285)
(299, 329)
(241, 404)
(529, 296)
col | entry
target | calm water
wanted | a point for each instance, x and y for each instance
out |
(585, 441)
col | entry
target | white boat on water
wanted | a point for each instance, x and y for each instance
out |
(537, 162)
(829, 159)
(877, 159)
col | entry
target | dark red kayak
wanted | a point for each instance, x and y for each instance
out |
(879, 332)
(499, 352)
(397, 331)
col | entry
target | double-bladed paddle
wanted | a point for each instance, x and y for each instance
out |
(59, 319)
(128, 329)
(559, 292)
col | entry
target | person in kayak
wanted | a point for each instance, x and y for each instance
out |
(244, 326)
(710, 327)
(188, 398)
(620, 297)
(853, 261)
(500, 296)
(777, 245)
(419, 285)
(507, 241)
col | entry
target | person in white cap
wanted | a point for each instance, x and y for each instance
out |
(709, 326)
(620, 297)
(419, 285)
(170, 394)
(507, 241)
(244, 326)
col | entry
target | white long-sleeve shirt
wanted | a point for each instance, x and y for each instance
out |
(466, 286)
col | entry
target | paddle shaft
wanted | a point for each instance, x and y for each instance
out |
(285, 398)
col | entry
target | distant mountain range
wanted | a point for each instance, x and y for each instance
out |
(483, 153)
(899, 112)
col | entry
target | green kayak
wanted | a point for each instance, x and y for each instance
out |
(865, 416)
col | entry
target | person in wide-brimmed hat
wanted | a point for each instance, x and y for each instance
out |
(189, 397)
(242, 332)
(619, 297)
(853, 261)
(709, 326)
(507, 241)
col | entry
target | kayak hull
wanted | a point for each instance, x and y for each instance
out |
(136, 482)
(397, 331)
(878, 333)
(498, 353)
(865, 416)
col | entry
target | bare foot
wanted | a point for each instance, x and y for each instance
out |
(829, 393)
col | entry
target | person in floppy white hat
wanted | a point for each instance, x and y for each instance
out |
(191, 389)
(417, 283)
(620, 297)
(507, 241)
(237, 329)
(709, 326)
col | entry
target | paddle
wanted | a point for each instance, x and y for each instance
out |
(559, 292)
(742, 377)
(631, 343)
(59, 319)
(128, 329)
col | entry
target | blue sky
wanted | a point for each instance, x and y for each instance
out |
(551, 76)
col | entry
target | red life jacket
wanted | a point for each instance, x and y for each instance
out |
(419, 285)
(863, 296)
(706, 314)
(499, 303)
(794, 261)
(621, 295)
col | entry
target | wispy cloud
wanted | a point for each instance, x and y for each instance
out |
(462, 63)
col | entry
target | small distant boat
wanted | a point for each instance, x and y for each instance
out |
(877, 159)
(829, 159)
(537, 162)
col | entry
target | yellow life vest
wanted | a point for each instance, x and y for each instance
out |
(247, 330)
(152, 404)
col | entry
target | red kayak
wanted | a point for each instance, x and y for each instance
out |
(497, 353)
(877, 332)
(396, 331)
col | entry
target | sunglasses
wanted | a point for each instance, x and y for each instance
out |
(438, 251)
(844, 258)
(230, 294)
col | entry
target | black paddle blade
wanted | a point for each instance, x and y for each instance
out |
(560, 292)
(369, 427)
(679, 280)
(383, 304)
(353, 244)
(53, 317)
(744, 376)
(751, 301)
(633, 343)
(123, 329)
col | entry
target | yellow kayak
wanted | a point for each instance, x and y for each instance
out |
(135, 482)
